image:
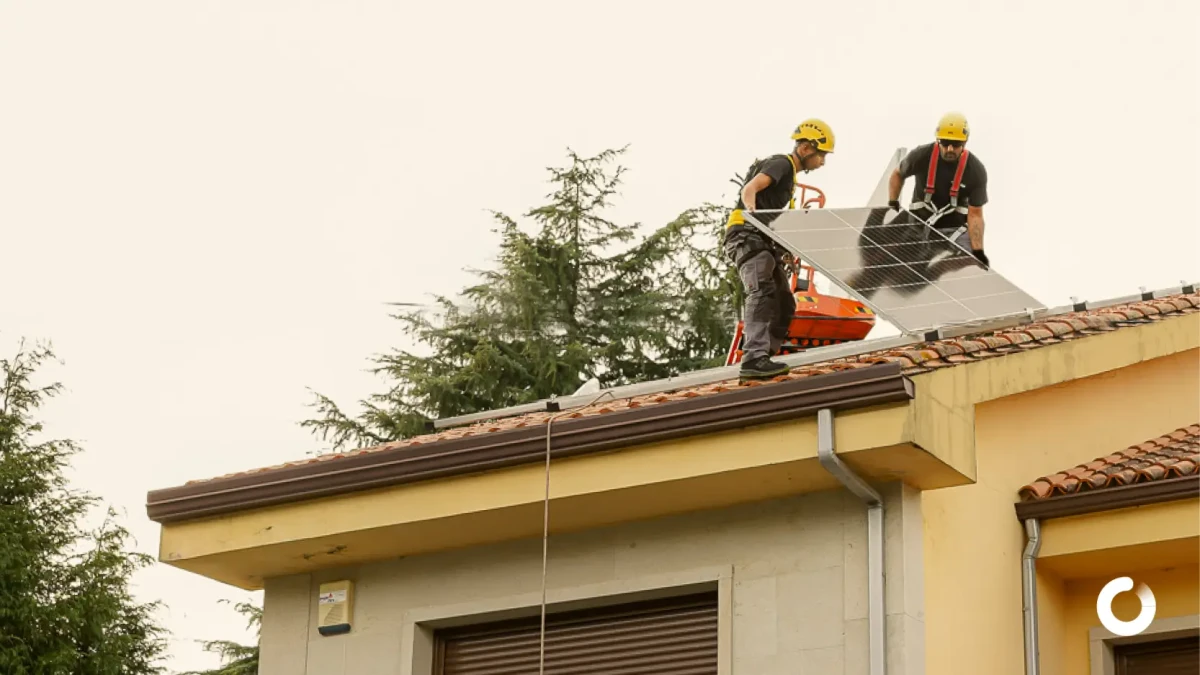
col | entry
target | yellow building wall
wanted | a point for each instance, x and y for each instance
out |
(1176, 593)
(973, 541)
(1053, 608)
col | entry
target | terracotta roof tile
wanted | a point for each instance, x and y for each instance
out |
(1059, 327)
(1172, 455)
(946, 348)
(993, 341)
(913, 360)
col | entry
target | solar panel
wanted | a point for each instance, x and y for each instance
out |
(905, 271)
(880, 196)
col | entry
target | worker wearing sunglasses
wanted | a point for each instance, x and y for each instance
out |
(952, 196)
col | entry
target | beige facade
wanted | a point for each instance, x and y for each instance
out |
(791, 577)
(752, 511)
(974, 544)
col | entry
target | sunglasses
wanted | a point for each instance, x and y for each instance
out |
(950, 144)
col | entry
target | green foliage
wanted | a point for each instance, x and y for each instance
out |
(236, 659)
(574, 297)
(65, 604)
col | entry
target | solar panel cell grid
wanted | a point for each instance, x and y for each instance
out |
(906, 271)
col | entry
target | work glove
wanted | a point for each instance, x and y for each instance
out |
(981, 257)
(894, 205)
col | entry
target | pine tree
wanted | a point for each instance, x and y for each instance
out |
(236, 659)
(65, 603)
(576, 298)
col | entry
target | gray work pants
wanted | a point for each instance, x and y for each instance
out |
(769, 301)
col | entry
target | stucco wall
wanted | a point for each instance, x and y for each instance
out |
(973, 541)
(1176, 594)
(1053, 608)
(795, 596)
(1067, 612)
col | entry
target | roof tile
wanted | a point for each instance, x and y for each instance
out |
(1040, 332)
(923, 358)
(993, 341)
(1059, 327)
(1017, 337)
(1184, 467)
(1097, 322)
(1172, 455)
(946, 348)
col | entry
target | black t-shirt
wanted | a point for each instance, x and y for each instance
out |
(777, 195)
(973, 190)
(782, 187)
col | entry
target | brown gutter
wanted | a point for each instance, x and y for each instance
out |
(775, 402)
(1107, 499)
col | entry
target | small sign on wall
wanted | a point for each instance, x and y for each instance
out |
(335, 607)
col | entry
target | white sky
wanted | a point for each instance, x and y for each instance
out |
(206, 204)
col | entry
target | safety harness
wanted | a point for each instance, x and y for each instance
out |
(955, 185)
(756, 243)
(795, 170)
(736, 217)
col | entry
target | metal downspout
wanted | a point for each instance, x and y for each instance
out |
(1033, 534)
(834, 465)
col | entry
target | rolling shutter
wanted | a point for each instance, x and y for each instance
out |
(665, 637)
(1168, 657)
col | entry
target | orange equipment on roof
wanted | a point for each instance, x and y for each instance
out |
(819, 320)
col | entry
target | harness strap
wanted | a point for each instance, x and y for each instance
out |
(736, 217)
(955, 185)
(932, 173)
(755, 245)
(958, 175)
(795, 170)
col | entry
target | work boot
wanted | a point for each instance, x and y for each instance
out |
(762, 368)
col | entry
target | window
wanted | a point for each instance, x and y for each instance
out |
(1180, 656)
(674, 636)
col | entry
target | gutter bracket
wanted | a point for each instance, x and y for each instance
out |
(875, 572)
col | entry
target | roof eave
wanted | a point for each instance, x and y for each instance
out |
(1110, 498)
(774, 402)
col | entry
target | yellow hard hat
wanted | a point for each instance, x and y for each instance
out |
(816, 131)
(953, 127)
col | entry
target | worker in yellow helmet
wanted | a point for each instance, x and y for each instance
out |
(954, 187)
(770, 184)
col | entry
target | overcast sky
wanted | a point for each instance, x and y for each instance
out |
(204, 205)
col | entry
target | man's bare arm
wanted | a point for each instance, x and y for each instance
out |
(750, 193)
(975, 226)
(894, 184)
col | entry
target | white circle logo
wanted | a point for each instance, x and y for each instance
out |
(1110, 621)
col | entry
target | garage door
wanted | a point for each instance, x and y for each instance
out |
(1168, 657)
(666, 637)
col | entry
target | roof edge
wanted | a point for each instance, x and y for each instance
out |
(827, 353)
(352, 472)
(1110, 499)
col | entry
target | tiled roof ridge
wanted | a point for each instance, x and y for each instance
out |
(1172, 455)
(916, 358)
